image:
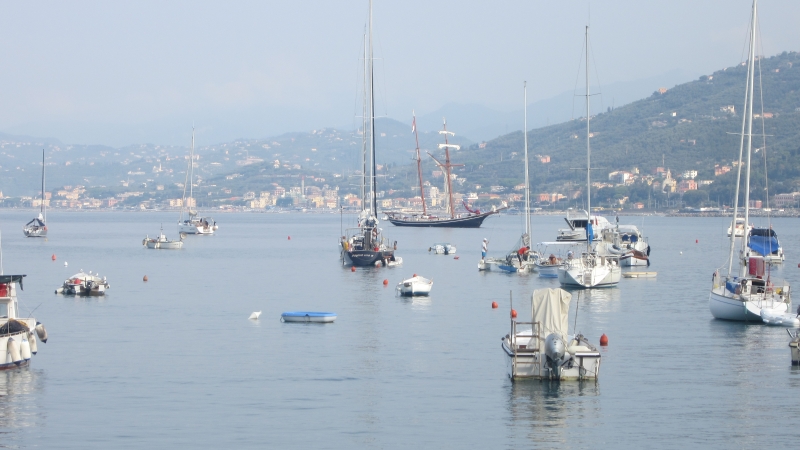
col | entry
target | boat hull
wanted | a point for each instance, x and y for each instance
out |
(578, 278)
(415, 286)
(586, 366)
(308, 317)
(172, 245)
(35, 232)
(366, 258)
(726, 306)
(459, 222)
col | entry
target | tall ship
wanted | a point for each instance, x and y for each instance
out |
(37, 227)
(472, 219)
(365, 245)
(193, 223)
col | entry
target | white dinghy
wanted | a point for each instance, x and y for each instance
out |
(415, 285)
(545, 351)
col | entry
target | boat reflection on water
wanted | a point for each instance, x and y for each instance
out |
(19, 407)
(552, 412)
(594, 301)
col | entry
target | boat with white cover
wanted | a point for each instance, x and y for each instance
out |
(414, 286)
(37, 227)
(161, 242)
(442, 249)
(745, 294)
(593, 269)
(193, 224)
(308, 316)
(83, 284)
(546, 351)
(18, 335)
(739, 226)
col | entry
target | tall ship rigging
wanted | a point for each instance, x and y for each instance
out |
(473, 218)
(365, 245)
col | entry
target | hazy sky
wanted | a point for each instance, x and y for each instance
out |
(142, 71)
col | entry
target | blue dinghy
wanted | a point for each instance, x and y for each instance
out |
(308, 316)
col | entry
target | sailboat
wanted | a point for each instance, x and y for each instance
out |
(193, 224)
(749, 294)
(521, 259)
(473, 218)
(366, 245)
(591, 269)
(36, 227)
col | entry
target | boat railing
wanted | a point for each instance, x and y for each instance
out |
(533, 344)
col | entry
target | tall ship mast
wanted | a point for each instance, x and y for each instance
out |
(473, 218)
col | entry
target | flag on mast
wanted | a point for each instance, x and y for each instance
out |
(414, 124)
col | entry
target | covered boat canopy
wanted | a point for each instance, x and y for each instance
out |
(550, 307)
(765, 242)
(12, 279)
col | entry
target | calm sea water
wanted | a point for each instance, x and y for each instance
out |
(176, 363)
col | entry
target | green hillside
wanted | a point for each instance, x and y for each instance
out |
(684, 125)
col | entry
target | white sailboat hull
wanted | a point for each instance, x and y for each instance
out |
(171, 245)
(727, 306)
(590, 271)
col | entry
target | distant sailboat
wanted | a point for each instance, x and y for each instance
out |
(591, 269)
(193, 224)
(37, 227)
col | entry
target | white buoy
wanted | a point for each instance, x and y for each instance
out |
(65, 264)
(25, 349)
(255, 315)
(41, 332)
(13, 350)
(681, 253)
(32, 342)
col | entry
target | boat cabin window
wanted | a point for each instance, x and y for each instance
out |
(765, 232)
(579, 223)
(4, 310)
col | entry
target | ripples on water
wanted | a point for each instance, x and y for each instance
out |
(174, 362)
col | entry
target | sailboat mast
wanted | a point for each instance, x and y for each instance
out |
(527, 180)
(41, 207)
(588, 149)
(364, 131)
(191, 169)
(419, 165)
(373, 171)
(751, 76)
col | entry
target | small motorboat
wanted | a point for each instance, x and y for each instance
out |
(308, 316)
(82, 284)
(415, 285)
(161, 242)
(546, 351)
(442, 249)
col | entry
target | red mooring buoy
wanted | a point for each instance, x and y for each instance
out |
(54, 258)
(604, 340)
(144, 278)
(352, 268)
(494, 305)
(513, 313)
(696, 241)
(385, 282)
(288, 238)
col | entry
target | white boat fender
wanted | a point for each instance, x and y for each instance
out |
(32, 342)
(13, 350)
(41, 332)
(25, 348)
(59, 290)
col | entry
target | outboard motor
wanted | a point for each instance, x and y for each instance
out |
(555, 350)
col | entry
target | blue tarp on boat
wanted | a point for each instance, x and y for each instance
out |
(764, 245)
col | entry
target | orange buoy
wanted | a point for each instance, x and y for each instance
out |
(144, 278)
(53, 257)
(494, 305)
(352, 268)
(604, 340)
(289, 238)
(455, 257)
(513, 313)
(696, 241)
(385, 282)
